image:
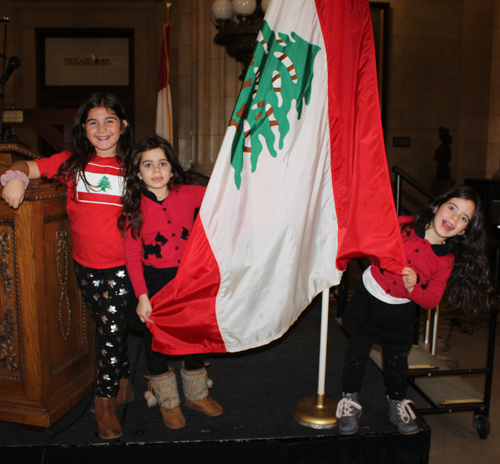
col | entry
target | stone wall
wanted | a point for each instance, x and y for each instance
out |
(444, 70)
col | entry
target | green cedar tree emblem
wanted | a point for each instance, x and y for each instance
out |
(104, 184)
(281, 71)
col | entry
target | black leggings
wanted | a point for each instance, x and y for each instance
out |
(156, 279)
(108, 294)
(395, 368)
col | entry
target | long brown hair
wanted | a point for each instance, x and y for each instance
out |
(131, 216)
(83, 150)
(469, 289)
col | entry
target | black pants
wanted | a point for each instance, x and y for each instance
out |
(395, 367)
(156, 279)
(108, 294)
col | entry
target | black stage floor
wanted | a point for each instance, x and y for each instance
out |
(258, 389)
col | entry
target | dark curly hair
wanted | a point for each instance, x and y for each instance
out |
(83, 150)
(131, 216)
(469, 289)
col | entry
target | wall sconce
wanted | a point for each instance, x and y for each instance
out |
(238, 23)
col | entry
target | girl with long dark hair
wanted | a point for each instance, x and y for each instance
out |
(159, 210)
(93, 174)
(446, 251)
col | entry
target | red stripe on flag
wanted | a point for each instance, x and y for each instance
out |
(164, 110)
(184, 314)
(104, 170)
(363, 196)
(164, 79)
(94, 197)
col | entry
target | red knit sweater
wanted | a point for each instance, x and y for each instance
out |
(165, 230)
(432, 263)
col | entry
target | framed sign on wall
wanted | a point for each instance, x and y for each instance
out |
(87, 61)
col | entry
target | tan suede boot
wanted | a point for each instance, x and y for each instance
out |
(195, 385)
(125, 394)
(105, 414)
(162, 390)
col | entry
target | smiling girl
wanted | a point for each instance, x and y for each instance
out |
(93, 175)
(446, 254)
(158, 214)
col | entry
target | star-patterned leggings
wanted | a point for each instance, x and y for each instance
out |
(107, 293)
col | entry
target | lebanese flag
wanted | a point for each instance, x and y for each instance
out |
(300, 186)
(104, 185)
(164, 102)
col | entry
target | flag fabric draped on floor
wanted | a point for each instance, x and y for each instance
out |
(300, 186)
(164, 102)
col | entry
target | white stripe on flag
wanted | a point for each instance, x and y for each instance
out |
(164, 114)
(101, 185)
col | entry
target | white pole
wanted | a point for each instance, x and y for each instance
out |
(319, 412)
(323, 341)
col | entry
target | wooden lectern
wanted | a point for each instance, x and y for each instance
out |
(46, 334)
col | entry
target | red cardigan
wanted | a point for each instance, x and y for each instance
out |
(165, 230)
(432, 263)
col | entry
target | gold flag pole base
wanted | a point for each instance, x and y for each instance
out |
(316, 412)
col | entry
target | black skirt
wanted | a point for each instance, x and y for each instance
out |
(387, 325)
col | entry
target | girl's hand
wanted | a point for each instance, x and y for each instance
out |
(13, 193)
(144, 309)
(410, 278)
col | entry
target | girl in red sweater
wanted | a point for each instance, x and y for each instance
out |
(159, 210)
(446, 253)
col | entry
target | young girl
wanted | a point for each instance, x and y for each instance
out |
(446, 253)
(92, 172)
(158, 214)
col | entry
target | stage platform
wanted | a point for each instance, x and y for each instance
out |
(258, 389)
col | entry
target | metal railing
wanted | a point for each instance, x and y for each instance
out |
(402, 175)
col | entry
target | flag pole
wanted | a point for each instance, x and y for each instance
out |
(168, 5)
(318, 412)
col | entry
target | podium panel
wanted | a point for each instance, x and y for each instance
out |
(46, 334)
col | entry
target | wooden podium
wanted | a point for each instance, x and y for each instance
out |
(46, 333)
